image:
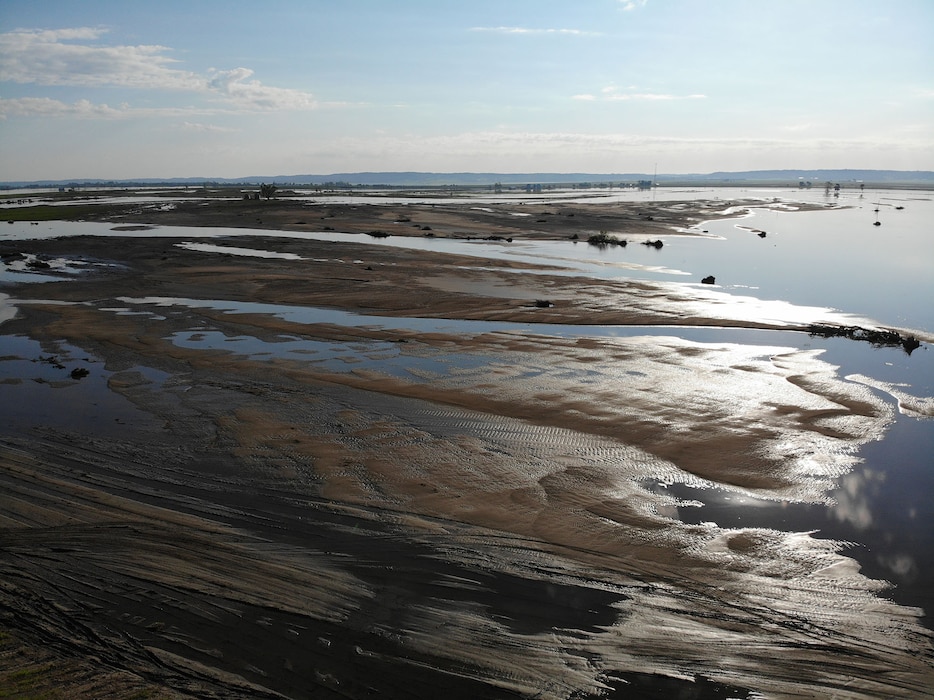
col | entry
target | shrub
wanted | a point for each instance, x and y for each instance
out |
(604, 239)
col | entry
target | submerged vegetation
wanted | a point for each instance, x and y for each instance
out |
(879, 338)
(604, 239)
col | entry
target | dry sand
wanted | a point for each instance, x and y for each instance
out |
(198, 519)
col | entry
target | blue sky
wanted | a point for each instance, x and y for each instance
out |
(227, 89)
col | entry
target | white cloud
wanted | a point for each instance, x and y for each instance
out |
(85, 109)
(46, 107)
(567, 151)
(629, 5)
(46, 58)
(530, 30)
(614, 94)
(58, 58)
(251, 94)
(797, 128)
(206, 128)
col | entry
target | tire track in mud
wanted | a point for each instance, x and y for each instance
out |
(106, 591)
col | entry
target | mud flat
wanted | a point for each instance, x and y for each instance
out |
(204, 494)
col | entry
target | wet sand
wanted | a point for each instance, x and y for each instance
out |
(201, 519)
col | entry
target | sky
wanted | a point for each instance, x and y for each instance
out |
(132, 88)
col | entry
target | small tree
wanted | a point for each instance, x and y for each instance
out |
(267, 191)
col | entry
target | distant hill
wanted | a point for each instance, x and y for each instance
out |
(904, 178)
(815, 176)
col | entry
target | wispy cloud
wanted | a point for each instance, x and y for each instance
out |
(85, 109)
(46, 107)
(653, 96)
(532, 30)
(629, 5)
(614, 94)
(67, 57)
(797, 128)
(206, 128)
(541, 150)
(235, 86)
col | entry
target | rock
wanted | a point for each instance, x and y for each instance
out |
(709, 279)
(79, 372)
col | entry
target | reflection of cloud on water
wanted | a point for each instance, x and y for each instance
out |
(7, 309)
(902, 565)
(857, 491)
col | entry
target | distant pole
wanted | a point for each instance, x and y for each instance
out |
(654, 181)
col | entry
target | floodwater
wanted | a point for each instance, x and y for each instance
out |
(834, 258)
(833, 263)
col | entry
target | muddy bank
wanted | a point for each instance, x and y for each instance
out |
(379, 280)
(381, 214)
(249, 505)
